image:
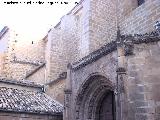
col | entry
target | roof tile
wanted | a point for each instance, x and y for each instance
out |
(28, 101)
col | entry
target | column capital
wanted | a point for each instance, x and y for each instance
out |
(121, 70)
(67, 91)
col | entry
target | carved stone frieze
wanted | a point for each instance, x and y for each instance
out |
(126, 41)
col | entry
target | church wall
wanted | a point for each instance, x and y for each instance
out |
(3, 50)
(144, 82)
(56, 90)
(56, 61)
(2, 59)
(21, 56)
(105, 66)
(134, 20)
(62, 48)
(25, 116)
(102, 23)
(38, 76)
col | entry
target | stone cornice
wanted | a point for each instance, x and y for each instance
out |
(35, 63)
(146, 38)
(92, 57)
(20, 82)
(112, 46)
(30, 73)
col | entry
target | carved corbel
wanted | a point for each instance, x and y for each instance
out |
(128, 45)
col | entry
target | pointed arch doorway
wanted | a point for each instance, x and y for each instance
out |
(106, 107)
(95, 100)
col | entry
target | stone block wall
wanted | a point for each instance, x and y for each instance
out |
(144, 82)
(62, 47)
(39, 76)
(56, 90)
(102, 23)
(105, 66)
(55, 60)
(134, 20)
(2, 59)
(21, 56)
(3, 50)
(24, 116)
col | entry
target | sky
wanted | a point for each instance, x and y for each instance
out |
(33, 21)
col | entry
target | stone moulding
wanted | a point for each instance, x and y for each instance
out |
(92, 57)
(112, 46)
(21, 83)
(36, 63)
(30, 73)
(146, 38)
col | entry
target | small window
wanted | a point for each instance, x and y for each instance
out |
(140, 2)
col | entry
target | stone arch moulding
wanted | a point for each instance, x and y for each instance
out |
(90, 94)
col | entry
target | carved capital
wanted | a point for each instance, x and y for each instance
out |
(121, 70)
(67, 91)
(128, 46)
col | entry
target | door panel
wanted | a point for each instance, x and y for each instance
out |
(107, 108)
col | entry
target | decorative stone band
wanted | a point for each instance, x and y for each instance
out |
(127, 40)
(92, 57)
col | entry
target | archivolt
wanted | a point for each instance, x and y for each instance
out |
(89, 95)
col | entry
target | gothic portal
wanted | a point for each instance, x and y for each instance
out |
(95, 100)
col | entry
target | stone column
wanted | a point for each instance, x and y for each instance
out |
(68, 92)
(120, 84)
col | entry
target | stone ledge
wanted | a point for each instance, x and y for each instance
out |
(112, 46)
(21, 83)
(30, 73)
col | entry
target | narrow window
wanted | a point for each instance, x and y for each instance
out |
(140, 2)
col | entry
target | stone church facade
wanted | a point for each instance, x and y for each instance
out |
(101, 60)
(118, 77)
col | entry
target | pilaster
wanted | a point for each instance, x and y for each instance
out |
(68, 92)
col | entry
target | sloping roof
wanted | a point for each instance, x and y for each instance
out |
(22, 101)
